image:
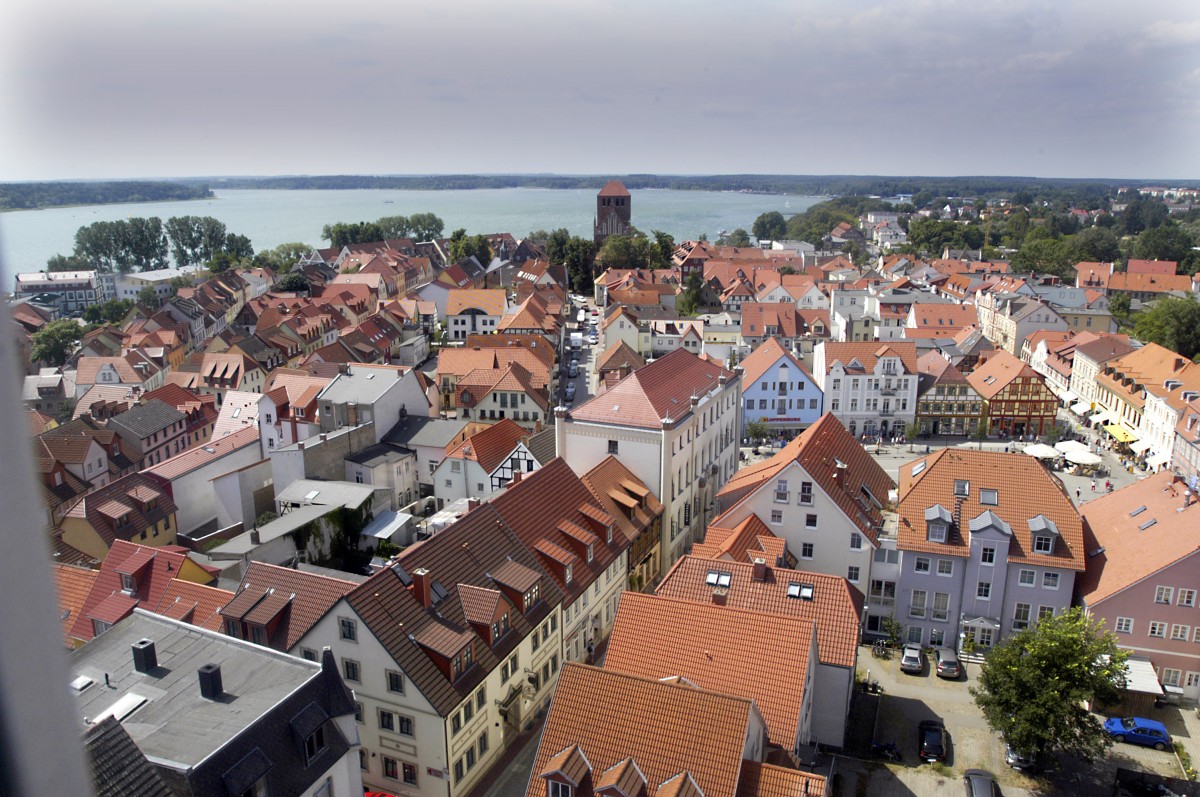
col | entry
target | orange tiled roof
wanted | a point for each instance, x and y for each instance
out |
(998, 372)
(818, 450)
(768, 780)
(158, 566)
(74, 584)
(1025, 489)
(868, 352)
(1149, 283)
(490, 446)
(836, 607)
(730, 650)
(194, 603)
(1120, 551)
(491, 301)
(764, 356)
(738, 543)
(666, 728)
(618, 491)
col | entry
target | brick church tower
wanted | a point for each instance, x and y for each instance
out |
(612, 212)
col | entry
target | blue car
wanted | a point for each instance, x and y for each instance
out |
(1138, 730)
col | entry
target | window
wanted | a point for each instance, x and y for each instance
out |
(458, 770)
(945, 567)
(391, 768)
(128, 583)
(1050, 580)
(1027, 578)
(558, 789)
(852, 574)
(1045, 611)
(612, 446)
(922, 564)
(348, 629)
(916, 607)
(1163, 594)
(314, 745)
(781, 491)
(1158, 629)
(983, 590)
(1187, 597)
(1170, 677)
(806, 493)
(395, 682)
(1124, 625)
(1021, 613)
(806, 550)
(387, 720)
(456, 723)
(405, 725)
(1043, 544)
(1193, 680)
(987, 556)
(480, 698)
(941, 606)
(989, 497)
(776, 516)
(350, 670)
(1180, 633)
(937, 532)
(810, 521)
(962, 487)
(856, 541)
(410, 774)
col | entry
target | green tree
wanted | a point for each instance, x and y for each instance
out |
(147, 297)
(111, 311)
(295, 282)
(463, 246)
(1172, 323)
(1142, 214)
(622, 251)
(67, 263)
(1166, 242)
(283, 257)
(769, 226)
(54, 342)
(238, 246)
(757, 431)
(426, 226)
(1095, 245)
(394, 226)
(738, 237)
(578, 256)
(554, 244)
(911, 430)
(691, 297)
(661, 249)
(1043, 256)
(346, 233)
(1033, 686)
(196, 239)
(1118, 305)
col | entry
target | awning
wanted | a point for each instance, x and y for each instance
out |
(1081, 408)
(1157, 461)
(1141, 677)
(1138, 446)
(1120, 433)
(1069, 396)
(1103, 416)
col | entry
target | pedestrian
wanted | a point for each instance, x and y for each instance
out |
(1078, 496)
(1093, 485)
(1006, 449)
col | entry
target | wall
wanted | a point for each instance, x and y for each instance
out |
(195, 495)
(242, 495)
(321, 457)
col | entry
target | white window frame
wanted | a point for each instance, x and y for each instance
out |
(1186, 597)
(949, 571)
(1164, 595)
(1180, 632)
(1032, 580)
(922, 564)
(1158, 629)
(1051, 580)
(1124, 625)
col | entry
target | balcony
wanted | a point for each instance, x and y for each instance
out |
(887, 412)
(887, 391)
(880, 600)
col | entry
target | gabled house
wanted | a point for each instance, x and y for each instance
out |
(647, 743)
(1016, 400)
(189, 476)
(636, 513)
(822, 493)
(947, 403)
(870, 386)
(830, 603)
(451, 649)
(489, 394)
(155, 429)
(989, 543)
(1143, 573)
(133, 508)
(276, 606)
(474, 310)
(578, 543)
(778, 390)
(484, 463)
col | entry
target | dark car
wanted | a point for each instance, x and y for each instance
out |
(948, 665)
(1138, 730)
(1021, 762)
(932, 741)
(980, 783)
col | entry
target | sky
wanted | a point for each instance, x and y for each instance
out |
(169, 88)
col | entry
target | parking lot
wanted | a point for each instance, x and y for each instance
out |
(905, 700)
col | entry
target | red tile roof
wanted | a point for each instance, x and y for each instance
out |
(768, 780)
(614, 188)
(661, 389)
(152, 569)
(1025, 490)
(998, 372)
(729, 650)
(836, 607)
(303, 598)
(74, 584)
(868, 352)
(490, 446)
(819, 450)
(765, 355)
(194, 603)
(1121, 552)
(668, 729)
(620, 493)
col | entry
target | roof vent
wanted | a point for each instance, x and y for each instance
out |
(210, 681)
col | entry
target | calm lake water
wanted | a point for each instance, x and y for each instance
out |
(269, 218)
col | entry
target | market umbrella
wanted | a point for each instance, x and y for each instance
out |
(1082, 458)
(1042, 451)
(1070, 445)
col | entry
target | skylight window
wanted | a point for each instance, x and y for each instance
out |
(718, 578)
(1147, 524)
(1137, 511)
(918, 468)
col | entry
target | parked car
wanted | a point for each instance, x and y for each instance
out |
(593, 339)
(573, 371)
(912, 659)
(932, 741)
(570, 391)
(980, 783)
(948, 665)
(1138, 730)
(1019, 761)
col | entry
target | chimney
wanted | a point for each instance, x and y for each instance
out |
(144, 657)
(516, 478)
(255, 537)
(422, 586)
(718, 596)
(760, 569)
(210, 681)
(473, 503)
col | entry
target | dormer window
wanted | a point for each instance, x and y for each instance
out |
(937, 532)
(556, 788)
(1043, 544)
(608, 534)
(531, 597)
(128, 583)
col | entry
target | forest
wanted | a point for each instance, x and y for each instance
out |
(31, 196)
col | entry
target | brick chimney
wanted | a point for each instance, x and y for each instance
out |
(516, 478)
(760, 569)
(719, 595)
(422, 587)
(472, 503)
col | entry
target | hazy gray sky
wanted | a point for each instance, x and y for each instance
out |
(1072, 88)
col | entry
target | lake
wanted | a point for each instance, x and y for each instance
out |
(272, 217)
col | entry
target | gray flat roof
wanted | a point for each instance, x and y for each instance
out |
(377, 455)
(331, 493)
(363, 387)
(290, 522)
(419, 431)
(163, 711)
